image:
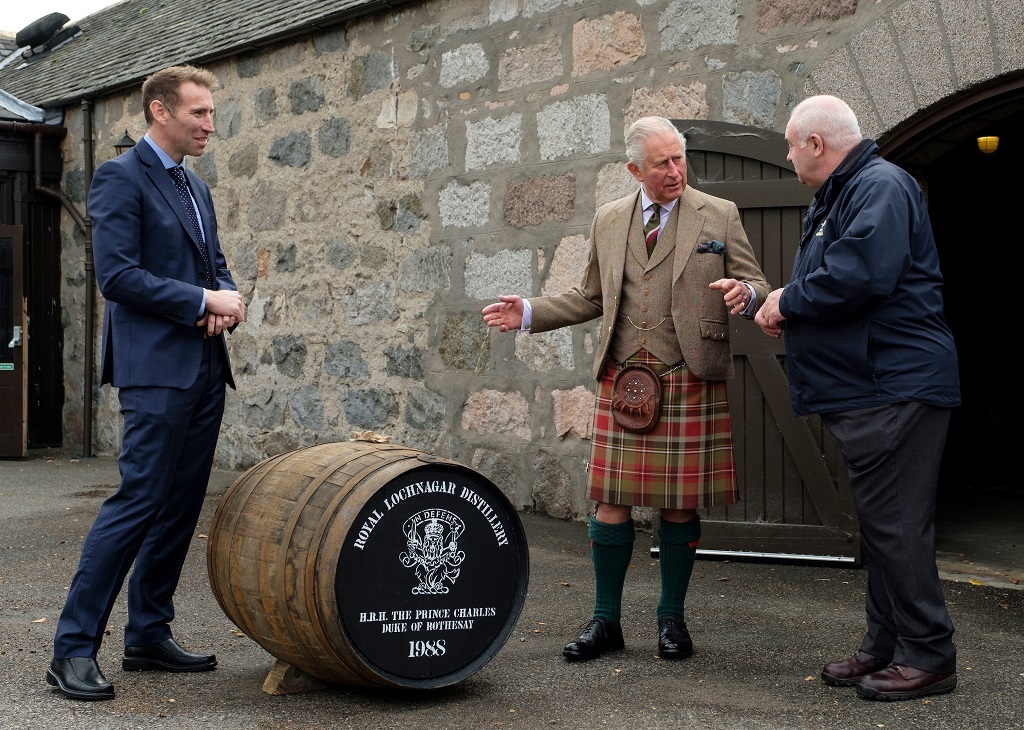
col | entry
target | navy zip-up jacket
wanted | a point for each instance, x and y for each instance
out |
(864, 314)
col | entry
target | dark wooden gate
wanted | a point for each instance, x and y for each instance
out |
(13, 338)
(37, 216)
(794, 499)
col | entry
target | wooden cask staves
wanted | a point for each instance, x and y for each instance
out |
(370, 564)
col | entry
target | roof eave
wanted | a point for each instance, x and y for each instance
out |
(324, 23)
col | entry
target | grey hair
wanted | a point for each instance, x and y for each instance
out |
(643, 129)
(829, 117)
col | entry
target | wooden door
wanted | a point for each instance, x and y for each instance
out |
(13, 346)
(794, 499)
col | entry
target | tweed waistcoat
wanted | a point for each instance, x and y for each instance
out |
(644, 318)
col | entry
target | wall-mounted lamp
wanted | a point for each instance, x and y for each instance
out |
(126, 143)
(988, 145)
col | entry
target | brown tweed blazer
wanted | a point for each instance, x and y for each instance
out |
(699, 315)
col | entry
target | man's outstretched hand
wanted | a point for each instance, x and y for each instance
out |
(505, 314)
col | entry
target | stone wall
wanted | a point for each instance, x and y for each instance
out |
(379, 183)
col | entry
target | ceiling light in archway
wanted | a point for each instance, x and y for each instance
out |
(988, 145)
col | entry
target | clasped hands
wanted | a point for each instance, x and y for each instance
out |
(768, 317)
(224, 309)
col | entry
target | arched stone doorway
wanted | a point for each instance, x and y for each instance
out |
(788, 506)
(925, 78)
(973, 198)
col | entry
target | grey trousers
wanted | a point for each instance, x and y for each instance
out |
(892, 455)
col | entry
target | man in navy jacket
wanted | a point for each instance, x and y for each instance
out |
(868, 348)
(169, 298)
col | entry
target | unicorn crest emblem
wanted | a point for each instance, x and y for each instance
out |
(432, 549)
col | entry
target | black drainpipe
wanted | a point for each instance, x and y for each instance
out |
(90, 284)
(55, 192)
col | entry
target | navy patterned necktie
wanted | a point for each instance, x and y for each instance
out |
(178, 175)
(651, 228)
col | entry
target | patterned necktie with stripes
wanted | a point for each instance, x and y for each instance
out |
(651, 228)
(178, 175)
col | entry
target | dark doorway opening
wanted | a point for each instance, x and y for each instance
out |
(973, 200)
(973, 197)
(39, 216)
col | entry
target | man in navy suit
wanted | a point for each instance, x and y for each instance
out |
(169, 298)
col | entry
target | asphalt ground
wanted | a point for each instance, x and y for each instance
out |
(761, 632)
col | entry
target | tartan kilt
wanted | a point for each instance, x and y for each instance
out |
(685, 462)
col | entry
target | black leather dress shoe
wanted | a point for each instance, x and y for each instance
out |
(79, 678)
(847, 672)
(897, 682)
(598, 636)
(167, 656)
(673, 639)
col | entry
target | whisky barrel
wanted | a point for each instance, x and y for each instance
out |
(370, 564)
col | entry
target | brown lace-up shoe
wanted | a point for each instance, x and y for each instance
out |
(897, 682)
(847, 672)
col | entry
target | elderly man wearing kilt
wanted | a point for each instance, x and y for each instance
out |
(667, 266)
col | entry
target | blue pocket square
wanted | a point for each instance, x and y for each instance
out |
(711, 247)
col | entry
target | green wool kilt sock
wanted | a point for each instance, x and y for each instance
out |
(611, 547)
(677, 550)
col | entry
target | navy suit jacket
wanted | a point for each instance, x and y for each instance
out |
(151, 272)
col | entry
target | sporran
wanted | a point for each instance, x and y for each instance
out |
(636, 398)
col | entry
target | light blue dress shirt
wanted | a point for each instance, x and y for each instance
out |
(168, 164)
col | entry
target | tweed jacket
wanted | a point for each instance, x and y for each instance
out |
(700, 319)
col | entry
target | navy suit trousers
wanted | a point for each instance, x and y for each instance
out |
(167, 449)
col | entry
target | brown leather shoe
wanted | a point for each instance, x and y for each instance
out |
(847, 672)
(897, 682)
